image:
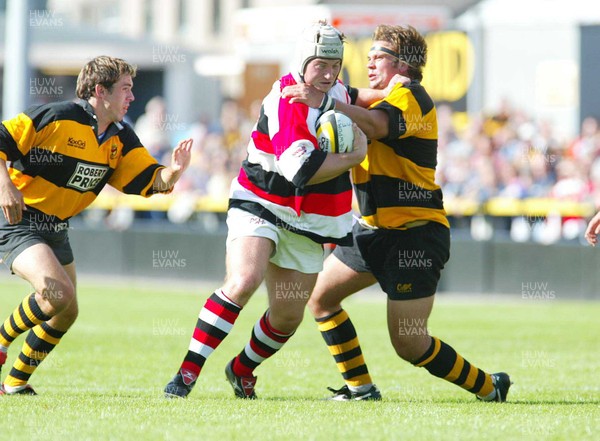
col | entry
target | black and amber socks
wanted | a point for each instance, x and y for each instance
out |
(39, 343)
(341, 339)
(444, 362)
(25, 316)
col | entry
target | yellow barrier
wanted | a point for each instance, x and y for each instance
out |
(505, 207)
(157, 202)
(509, 207)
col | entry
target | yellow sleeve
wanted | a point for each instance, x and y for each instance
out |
(136, 172)
(17, 135)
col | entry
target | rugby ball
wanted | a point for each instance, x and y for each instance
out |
(334, 132)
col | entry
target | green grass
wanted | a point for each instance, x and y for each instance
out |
(105, 380)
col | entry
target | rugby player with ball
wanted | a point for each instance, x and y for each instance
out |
(289, 199)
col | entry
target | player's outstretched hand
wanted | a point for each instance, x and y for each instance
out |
(593, 229)
(182, 154)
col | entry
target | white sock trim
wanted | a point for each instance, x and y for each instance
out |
(360, 389)
(13, 389)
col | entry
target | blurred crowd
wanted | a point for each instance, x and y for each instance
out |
(219, 145)
(508, 154)
(504, 154)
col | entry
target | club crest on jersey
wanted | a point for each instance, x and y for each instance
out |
(87, 176)
(113, 151)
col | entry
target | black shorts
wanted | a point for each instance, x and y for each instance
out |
(34, 228)
(406, 263)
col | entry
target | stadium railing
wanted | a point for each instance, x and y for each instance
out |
(499, 206)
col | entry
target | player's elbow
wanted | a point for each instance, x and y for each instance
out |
(375, 124)
(375, 129)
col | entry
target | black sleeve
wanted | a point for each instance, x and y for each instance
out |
(309, 168)
(397, 124)
(353, 92)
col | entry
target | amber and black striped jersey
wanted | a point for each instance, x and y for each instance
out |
(58, 163)
(395, 184)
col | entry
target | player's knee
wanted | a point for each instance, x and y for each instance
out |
(57, 295)
(319, 304)
(285, 321)
(316, 307)
(240, 287)
(70, 313)
(410, 348)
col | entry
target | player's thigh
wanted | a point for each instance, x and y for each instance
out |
(407, 325)
(336, 282)
(288, 291)
(39, 266)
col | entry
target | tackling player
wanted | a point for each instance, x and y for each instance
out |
(60, 156)
(402, 239)
(287, 201)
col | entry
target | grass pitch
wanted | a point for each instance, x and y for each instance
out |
(105, 380)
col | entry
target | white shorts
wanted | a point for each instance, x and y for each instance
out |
(292, 251)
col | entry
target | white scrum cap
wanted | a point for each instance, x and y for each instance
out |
(318, 41)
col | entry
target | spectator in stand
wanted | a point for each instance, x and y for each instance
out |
(586, 147)
(150, 128)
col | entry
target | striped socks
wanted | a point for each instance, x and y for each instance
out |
(214, 323)
(25, 316)
(444, 362)
(264, 342)
(341, 339)
(39, 343)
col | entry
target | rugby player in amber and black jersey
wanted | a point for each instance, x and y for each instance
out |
(54, 160)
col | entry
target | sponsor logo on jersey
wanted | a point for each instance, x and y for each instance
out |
(87, 176)
(77, 143)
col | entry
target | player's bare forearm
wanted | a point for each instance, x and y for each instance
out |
(366, 97)
(373, 122)
(167, 177)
